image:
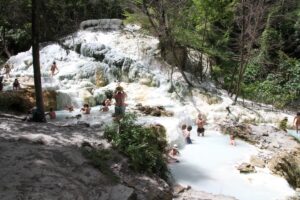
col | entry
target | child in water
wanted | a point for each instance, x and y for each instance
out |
(86, 109)
(232, 138)
(106, 103)
(187, 135)
(51, 114)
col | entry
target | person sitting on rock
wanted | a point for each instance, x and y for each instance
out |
(86, 109)
(173, 153)
(106, 103)
(30, 115)
(51, 114)
(297, 122)
(16, 85)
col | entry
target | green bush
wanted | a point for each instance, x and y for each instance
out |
(145, 146)
(99, 158)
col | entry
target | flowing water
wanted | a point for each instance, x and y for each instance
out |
(209, 164)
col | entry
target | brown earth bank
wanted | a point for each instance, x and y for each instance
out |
(281, 152)
(21, 101)
(46, 161)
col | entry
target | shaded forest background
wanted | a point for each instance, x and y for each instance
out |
(253, 46)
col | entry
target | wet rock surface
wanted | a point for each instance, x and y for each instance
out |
(280, 151)
(187, 193)
(246, 168)
(156, 111)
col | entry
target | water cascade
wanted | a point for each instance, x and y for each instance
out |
(97, 59)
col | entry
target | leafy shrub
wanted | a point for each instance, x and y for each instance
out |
(109, 93)
(145, 146)
(99, 159)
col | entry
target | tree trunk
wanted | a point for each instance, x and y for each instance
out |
(242, 61)
(5, 49)
(40, 113)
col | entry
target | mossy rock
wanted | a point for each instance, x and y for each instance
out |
(100, 79)
(91, 101)
(213, 100)
(23, 100)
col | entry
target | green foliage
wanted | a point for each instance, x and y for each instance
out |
(137, 18)
(145, 146)
(57, 18)
(279, 88)
(283, 124)
(109, 93)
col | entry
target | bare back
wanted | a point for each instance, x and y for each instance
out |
(297, 120)
(200, 122)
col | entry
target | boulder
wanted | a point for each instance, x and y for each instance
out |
(145, 81)
(63, 99)
(119, 192)
(177, 189)
(102, 24)
(241, 131)
(246, 168)
(287, 164)
(190, 194)
(257, 162)
(50, 99)
(23, 100)
(154, 111)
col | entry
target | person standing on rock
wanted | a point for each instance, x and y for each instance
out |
(120, 104)
(53, 69)
(297, 122)
(200, 125)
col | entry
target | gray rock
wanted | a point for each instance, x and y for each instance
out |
(121, 192)
(102, 24)
(200, 195)
(257, 162)
(246, 168)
